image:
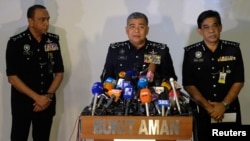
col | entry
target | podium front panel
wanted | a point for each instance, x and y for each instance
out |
(136, 127)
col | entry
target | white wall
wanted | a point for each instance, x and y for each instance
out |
(86, 27)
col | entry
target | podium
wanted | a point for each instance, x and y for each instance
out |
(160, 128)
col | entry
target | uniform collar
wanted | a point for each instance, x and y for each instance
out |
(145, 46)
(31, 37)
(205, 48)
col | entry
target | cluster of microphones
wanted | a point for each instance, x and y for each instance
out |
(136, 95)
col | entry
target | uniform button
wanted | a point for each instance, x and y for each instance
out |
(121, 65)
(212, 59)
(213, 77)
(198, 68)
(41, 66)
(40, 58)
(215, 95)
(41, 91)
(214, 85)
(41, 74)
(38, 50)
(136, 56)
(28, 58)
(212, 68)
(42, 83)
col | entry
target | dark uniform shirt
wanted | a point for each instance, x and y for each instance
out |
(213, 73)
(35, 64)
(122, 56)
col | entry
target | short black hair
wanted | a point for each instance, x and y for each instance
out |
(137, 15)
(31, 10)
(208, 14)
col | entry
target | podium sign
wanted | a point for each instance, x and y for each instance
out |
(136, 127)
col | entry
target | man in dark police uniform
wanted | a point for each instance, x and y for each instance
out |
(138, 52)
(35, 71)
(213, 75)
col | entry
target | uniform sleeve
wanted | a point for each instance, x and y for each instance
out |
(12, 61)
(59, 67)
(167, 67)
(108, 70)
(239, 72)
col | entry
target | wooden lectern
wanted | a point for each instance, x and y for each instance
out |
(107, 128)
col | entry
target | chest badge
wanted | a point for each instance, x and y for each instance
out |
(26, 49)
(198, 54)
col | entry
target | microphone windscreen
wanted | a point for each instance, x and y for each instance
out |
(158, 89)
(110, 80)
(142, 82)
(145, 95)
(122, 74)
(115, 93)
(166, 85)
(97, 88)
(155, 96)
(150, 76)
(108, 86)
(171, 94)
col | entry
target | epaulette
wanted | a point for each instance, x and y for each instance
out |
(119, 44)
(195, 45)
(18, 36)
(157, 45)
(231, 43)
(52, 35)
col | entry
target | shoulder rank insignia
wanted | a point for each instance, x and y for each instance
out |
(157, 45)
(231, 43)
(18, 36)
(193, 46)
(55, 36)
(118, 44)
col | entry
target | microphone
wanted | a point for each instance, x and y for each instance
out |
(97, 89)
(171, 80)
(142, 82)
(110, 80)
(151, 71)
(128, 95)
(100, 101)
(131, 76)
(114, 95)
(146, 97)
(120, 80)
(166, 85)
(163, 102)
(107, 86)
(158, 90)
(122, 74)
(155, 97)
